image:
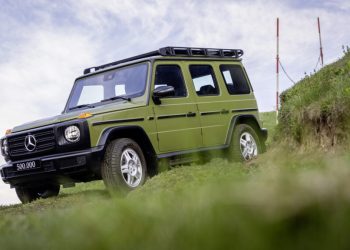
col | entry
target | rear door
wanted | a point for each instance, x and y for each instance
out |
(213, 111)
(222, 91)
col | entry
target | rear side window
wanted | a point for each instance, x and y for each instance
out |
(235, 79)
(171, 75)
(204, 80)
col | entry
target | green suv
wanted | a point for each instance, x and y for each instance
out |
(123, 119)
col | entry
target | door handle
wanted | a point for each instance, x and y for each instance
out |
(191, 114)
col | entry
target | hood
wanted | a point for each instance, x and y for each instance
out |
(74, 115)
(46, 121)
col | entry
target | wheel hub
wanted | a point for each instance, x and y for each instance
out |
(131, 167)
(248, 146)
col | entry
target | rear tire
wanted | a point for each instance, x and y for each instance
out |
(245, 144)
(29, 194)
(124, 166)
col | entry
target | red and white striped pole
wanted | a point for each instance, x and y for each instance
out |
(319, 35)
(277, 69)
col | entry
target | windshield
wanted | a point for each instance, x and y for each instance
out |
(127, 82)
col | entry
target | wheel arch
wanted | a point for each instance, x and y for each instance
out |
(251, 120)
(137, 134)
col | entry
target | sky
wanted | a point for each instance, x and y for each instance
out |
(45, 45)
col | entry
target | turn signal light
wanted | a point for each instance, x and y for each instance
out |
(8, 131)
(84, 115)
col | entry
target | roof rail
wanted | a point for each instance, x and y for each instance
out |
(207, 52)
(176, 51)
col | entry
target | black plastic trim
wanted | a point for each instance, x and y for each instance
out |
(264, 134)
(118, 121)
(171, 116)
(190, 151)
(244, 110)
(108, 131)
(191, 114)
(211, 113)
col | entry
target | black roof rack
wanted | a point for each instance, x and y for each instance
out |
(176, 51)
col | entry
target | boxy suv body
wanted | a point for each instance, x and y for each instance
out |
(123, 118)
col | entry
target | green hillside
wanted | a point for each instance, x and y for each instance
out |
(316, 111)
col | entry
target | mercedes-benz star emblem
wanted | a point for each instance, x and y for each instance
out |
(30, 143)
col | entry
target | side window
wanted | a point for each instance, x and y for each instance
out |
(171, 75)
(204, 80)
(235, 79)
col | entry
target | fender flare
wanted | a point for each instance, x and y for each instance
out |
(106, 133)
(143, 141)
(262, 132)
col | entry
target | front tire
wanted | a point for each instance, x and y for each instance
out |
(29, 194)
(124, 166)
(245, 144)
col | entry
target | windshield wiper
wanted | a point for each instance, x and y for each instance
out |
(82, 106)
(116, 98)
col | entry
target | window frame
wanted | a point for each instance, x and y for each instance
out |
(98, 104)
(182, 78)
(216, 84)
(244, 75)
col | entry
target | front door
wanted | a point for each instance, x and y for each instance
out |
(177, 118)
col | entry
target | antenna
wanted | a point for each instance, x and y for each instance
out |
(277, 68)
(319, 35)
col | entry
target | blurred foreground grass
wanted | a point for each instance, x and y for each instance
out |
(281, 201)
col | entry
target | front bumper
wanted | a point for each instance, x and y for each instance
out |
(60, 168)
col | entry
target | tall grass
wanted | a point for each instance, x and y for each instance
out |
(316, 111)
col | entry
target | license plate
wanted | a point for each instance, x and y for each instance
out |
(27, 165)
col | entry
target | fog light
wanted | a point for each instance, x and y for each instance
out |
(72, 134)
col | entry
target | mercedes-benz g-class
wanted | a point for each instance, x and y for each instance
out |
(122, 118)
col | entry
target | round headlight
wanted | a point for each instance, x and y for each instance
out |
(72, 134)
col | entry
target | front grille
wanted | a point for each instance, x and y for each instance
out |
(45, 141)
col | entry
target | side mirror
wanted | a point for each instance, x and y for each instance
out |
(162, 91)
